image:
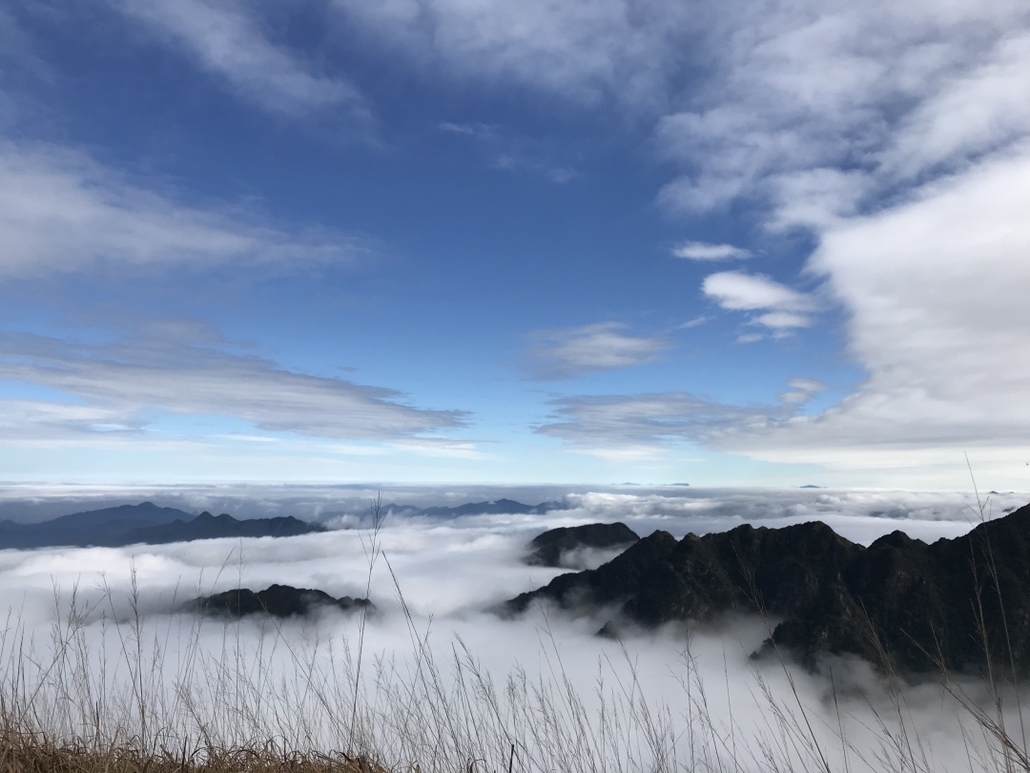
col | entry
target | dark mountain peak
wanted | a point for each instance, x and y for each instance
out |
(553, 547)
(897, 540)
(280, 601)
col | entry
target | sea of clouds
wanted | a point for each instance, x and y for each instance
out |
(425, 665)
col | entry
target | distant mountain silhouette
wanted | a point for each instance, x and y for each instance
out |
(207, 526)
(107, 526)
(901, 601)
(142, 523)
(493, 507)
(553, 546)
(277, 600)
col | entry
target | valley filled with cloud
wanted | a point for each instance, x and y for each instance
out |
(436, 673)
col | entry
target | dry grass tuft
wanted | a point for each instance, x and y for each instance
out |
(31, 754)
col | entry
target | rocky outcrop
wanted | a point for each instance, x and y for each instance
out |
(900, 602)
(277, 600)
(553, 546)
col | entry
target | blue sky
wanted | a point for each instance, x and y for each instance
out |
(450, 241)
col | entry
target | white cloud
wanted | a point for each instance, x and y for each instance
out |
(62, 211)
(224, 38)
(126, 386)
(478, 130)
(818, 109)
(747, 292)
(513, 153)
(693, 322)
(706, 251)
(639, 422)
(783, 308)
(976, 109)
(802, 390)
(897, 135)
(619, 50)
(560, 354)
(935, 290)
(780, 320)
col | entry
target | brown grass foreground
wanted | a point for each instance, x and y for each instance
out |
(28, 754)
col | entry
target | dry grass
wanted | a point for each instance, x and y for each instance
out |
(69, 705)
(30, 754)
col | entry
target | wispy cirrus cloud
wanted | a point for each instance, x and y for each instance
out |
(814, 110)
(801, 390)
(588, 53)
(61, 211)
(506, 152)
(180, 369)
(570, 352)
(638, 425)
(226, 39)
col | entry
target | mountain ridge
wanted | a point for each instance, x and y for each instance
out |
(900, 602)
(145, 523)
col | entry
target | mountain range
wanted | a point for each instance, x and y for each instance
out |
(143, 523)
(956, 604)
(150, 524)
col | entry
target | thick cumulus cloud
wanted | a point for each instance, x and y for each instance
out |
(177, 369)
(938, 319)
(434, 660)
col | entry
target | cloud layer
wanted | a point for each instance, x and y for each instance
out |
(123, 387)
(562, 354)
